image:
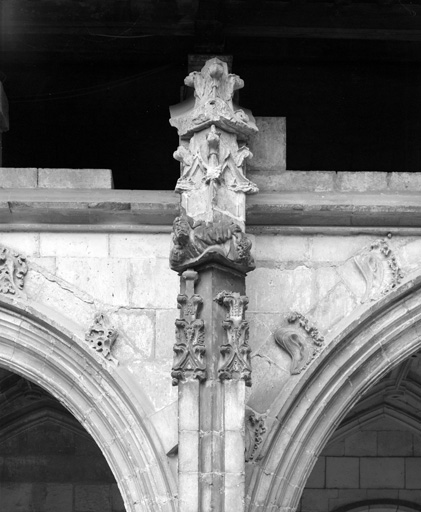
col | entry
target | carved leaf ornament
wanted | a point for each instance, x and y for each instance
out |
(302, 343)
(235, 351)
(13, 269)
(189, 348)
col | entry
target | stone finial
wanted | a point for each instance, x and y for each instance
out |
(302, 343)
(13, 269)
(213, 91)
(189, 348)
(235, 351)
(101, 336)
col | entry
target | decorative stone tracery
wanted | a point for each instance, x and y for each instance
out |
(235, 351)
(302, 344)
(13, 269)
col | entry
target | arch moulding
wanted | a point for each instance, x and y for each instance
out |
(44, 351)
(361, 351)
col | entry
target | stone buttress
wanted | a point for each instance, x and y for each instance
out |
(211, 253)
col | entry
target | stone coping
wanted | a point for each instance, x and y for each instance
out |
(155, 210)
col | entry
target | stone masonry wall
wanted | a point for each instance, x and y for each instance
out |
(127, 277)
(380, 461)
(48, 468)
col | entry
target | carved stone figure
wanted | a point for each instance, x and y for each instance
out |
(254, 430)
(197, 242)
(213, 91)
(189, 348)
(302, 344)
(217, 160)
(101, 336)
(13, 269)
(379, 268)
(235, 351)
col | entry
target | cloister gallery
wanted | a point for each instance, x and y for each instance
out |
(248, 342)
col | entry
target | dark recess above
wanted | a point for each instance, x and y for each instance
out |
(90, 83)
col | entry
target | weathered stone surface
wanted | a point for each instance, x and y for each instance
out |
(412, 473)
(342, 473)
(383, 473)
(405, 181)
(317, 478)
(269, 379)
(361, 443)
(361, 181)
(269, 145)
(18, 178)
(281, 248)
(75, 178)
(292, 181)
(165, 332)
(88, 274)
(90, 498)
(139, 245)
(73, 245)
(136, 328)
(143, 289)
(59, 497)
(394, 443)
(283, 290)
(317, 500)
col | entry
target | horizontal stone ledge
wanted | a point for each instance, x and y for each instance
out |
(128, 210)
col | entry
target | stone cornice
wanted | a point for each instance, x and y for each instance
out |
(155, 210)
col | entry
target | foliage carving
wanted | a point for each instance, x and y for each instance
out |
(189, 348)
(13, 269)
(234, 360)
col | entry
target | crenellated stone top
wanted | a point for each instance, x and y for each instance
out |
(213, 92)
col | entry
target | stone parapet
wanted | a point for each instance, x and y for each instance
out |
(335, 181)
(28, 177)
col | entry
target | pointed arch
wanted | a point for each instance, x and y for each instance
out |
(362, 350)
(41, 348)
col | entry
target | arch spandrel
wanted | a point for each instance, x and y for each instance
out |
(40, 348)
(361, 349)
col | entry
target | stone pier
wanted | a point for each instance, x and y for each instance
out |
(211, 253)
